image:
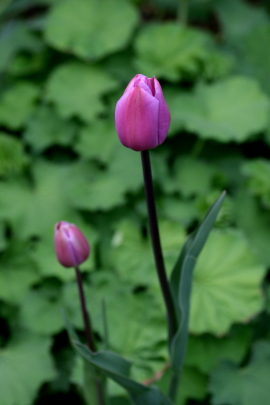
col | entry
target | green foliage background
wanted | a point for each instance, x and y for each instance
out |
(63, 66)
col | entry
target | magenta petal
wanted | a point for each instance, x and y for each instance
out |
(136, 118)
(71, 246)
(164, 113)
(132, 83)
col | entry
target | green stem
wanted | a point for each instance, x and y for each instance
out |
(156, 245)
(182, 12)
(174, 384)
(89, 333)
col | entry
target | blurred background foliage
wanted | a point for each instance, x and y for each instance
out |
(63, 66)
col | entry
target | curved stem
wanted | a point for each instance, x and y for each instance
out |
(156, 245)
(89, 333)
(86, 318)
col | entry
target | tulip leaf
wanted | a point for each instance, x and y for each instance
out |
(246, 385)
(117, 368)
(181, 282)
(241, 111)
(90, 29)
(25, 364)
(17, 103)
(76, 89)
(170, 51)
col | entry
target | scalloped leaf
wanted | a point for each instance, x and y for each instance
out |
(247, 385)
(170, 51)
(226, 287)
(90, 29)
(233, 109)
(17, 103)
(25, 364)
(76, 89)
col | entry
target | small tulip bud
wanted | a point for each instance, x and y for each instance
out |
(142, 118)
(71, 246)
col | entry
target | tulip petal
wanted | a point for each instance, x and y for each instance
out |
(71, 246)
(164, 113)
(136, 118)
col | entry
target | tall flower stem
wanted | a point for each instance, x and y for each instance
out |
(156, 245)
(89, 333)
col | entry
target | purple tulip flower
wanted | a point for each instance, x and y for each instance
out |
(71, 246)
(142, 118)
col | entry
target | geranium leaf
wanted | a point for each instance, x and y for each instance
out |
(246, 385)
(233, 109)
(21, 373)
(98, 27)
(76, 89)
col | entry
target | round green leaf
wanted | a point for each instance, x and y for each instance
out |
(226, 285)
(42, 309)
(17, 272)
(193, 176)
(231, 110)
(25, 364)
(92, 189)
(45, 128)
(253, 53)
(206, 351)
(247, 385)
(193, 385)
(75, 88)
(170, 51)
(41, 205)
(90, 29)
(17, 103)
(137, 334)
(98, 140)
(12, 156)
(255, 223)
(258, 173)
(132, 254)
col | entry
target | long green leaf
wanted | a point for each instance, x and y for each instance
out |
(117, 368)
(181, 281)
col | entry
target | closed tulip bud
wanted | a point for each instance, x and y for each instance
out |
(142, 118)
(71, 246)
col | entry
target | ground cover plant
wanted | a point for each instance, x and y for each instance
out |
(63, 65)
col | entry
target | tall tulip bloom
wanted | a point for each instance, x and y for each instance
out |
(142, 118)
(71, 246)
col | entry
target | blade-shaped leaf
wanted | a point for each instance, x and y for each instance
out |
(117, 368)
(181, 281)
